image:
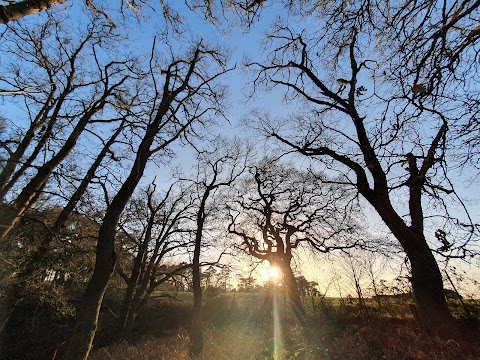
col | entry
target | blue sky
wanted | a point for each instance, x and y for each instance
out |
(241, 43)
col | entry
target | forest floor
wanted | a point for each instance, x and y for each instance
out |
(248, 326)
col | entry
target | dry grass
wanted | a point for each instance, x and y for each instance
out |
(240, 327)
(397, 341)
(169, 348)
(246, 333)
(231, 343)
(240, 343)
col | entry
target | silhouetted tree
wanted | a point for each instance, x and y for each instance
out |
(373, 129)
(71, 90)
(217, 167)
(187, 94)
(154, 228)
(280, 208)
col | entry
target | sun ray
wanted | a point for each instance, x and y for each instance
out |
(278, 347)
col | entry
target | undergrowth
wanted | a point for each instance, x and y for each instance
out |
(241, 327)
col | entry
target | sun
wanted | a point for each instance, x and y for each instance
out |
(270, 273)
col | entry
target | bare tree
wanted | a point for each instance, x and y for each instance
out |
(213, 10)
(427, 48)
(187, 94)
(355, 272)
(372, 136)
(52, 230)
(281, 209)
(375, 267)
(154, 229)
(60, 100)
(217, 167)
(69, 207)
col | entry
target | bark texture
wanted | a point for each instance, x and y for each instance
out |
(18, 10)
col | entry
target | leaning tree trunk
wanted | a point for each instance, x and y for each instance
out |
(130, 318)
(127, 306)
(49, 236)
(427, 285)
(87, 317)
(66, 211)
(431, 305)
(34, 187)
(137, 297)
(126, 316)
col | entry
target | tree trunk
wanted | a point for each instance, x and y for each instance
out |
(138, 282)
(135, 300)
(127, 307)
(130, 292)
(427, 284)
(18, 10)
(293, 293)
(358, 289)
(66, 211)
(87, 316)
(428, 292)
(14, 159)
(9, 176)
(130, 320)
(126, 310)
(196, 333)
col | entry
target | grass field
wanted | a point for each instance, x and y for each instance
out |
(248, 326)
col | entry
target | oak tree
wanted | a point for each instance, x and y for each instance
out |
(380, 110)
(279, 209)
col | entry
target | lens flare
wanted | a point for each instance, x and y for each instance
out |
(270, 273)
(278, 348)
